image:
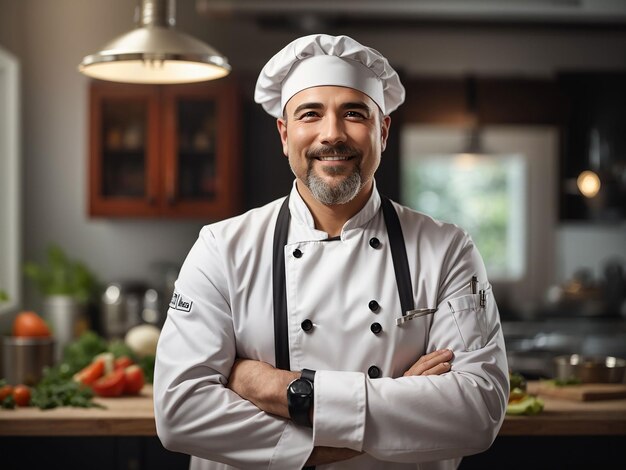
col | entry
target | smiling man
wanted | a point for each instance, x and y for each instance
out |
(334, 327)
(333, 137)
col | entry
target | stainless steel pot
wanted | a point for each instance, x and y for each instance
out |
(590, 369)
(25, 358)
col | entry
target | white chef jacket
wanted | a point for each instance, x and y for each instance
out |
(223, 309)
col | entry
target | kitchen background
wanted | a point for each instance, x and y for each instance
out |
(529, 55)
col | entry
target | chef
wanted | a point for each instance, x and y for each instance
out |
(333, 327)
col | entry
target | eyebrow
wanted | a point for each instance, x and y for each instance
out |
(351, 105)
(307, 106)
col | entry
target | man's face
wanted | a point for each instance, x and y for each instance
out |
(333, 137)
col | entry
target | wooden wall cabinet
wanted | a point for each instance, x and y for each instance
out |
(164, 150)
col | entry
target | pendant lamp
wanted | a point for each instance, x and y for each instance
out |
(473, 143)
(155, 52)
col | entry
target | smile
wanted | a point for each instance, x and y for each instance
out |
(333, 159)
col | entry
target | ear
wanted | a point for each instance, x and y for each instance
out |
(384, 132)
(281, 124)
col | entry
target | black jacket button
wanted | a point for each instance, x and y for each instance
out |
(374, 242)
(373, 372)
(373, 305)
(297, 253)
(307, 325)
(376, 328)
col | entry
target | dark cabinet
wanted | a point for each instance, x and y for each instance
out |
(594, 146)
(164, 151)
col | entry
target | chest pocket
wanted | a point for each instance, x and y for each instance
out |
(472, 319)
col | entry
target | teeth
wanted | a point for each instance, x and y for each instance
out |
(333, 159)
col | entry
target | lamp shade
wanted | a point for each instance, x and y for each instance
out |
(156, 53)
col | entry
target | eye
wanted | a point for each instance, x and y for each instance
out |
(355, 115)
(308, 115)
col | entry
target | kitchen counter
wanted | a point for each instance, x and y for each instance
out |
(134, 416)
(123, 416)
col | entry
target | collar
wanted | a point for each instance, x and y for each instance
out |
(301, 214)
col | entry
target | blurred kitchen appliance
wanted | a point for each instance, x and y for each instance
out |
(126, 304)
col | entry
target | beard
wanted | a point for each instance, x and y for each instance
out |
(344, 191)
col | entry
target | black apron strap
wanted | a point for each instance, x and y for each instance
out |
(281, 332)
(398, 253)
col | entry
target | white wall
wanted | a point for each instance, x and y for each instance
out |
(590, 247)
(51, 37)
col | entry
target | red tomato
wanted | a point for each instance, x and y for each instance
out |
(111, 385)
(5, 391)
(123, 362)
(21, 395)
(91, 373)
(30, 324)
(134, 380)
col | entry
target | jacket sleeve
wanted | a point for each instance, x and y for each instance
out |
(195, 413)
(426, 418)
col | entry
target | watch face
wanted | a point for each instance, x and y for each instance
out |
(301, 387)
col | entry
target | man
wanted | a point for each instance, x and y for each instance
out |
(319, 329)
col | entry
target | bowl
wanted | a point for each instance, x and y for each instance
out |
(590, 369)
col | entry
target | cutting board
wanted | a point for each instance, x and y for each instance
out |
(583, 392)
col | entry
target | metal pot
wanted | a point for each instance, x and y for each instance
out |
(590, 369)
(25, 358)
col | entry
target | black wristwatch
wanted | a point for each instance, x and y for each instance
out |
(300, 398)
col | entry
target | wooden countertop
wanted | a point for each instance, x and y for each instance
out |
(123, 416)
(569, 418)
(134, 416)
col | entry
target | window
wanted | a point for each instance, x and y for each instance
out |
(483, 194)
(531, 213)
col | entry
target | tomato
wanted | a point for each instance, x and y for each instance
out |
(30, 324)
(21, 395)
(134, 380)
(5, 391)
(111, 385)
(90, 373)
(123, 362)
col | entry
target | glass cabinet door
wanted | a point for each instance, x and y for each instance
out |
(124, 149)
(196, 150)
(201, 153)
(124, 171)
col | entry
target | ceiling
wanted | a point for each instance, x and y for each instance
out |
(314, 14)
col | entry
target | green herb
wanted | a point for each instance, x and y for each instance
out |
(80, 353)
(517, 380)
(62, 276)
(568, 381)
(57, 388)
(119, 348)
(147, 365)
(8, 402)
(3, 296)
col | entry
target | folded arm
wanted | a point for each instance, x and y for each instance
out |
(266, 387)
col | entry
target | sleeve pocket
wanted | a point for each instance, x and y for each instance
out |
(470, 320)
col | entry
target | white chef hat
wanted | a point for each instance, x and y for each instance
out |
(320, 59)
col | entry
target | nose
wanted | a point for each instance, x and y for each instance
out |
(333, 130)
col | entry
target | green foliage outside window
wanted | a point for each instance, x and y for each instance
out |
(474, 193)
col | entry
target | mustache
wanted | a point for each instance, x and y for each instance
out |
(339, 150)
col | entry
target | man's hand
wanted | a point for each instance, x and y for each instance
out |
(434, 363)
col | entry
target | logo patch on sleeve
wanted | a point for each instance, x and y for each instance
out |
(179, 302)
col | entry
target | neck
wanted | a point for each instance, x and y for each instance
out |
(332, 218)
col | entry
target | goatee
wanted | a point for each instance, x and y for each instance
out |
(347, 188)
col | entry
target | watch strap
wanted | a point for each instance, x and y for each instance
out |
(308, 374)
